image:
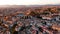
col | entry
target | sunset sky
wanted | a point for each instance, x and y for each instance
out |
(28, 2)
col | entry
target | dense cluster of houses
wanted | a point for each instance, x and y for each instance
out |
(31, 21)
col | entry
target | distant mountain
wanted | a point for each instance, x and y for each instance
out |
(20, 6)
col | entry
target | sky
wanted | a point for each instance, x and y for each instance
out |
(28, 2)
